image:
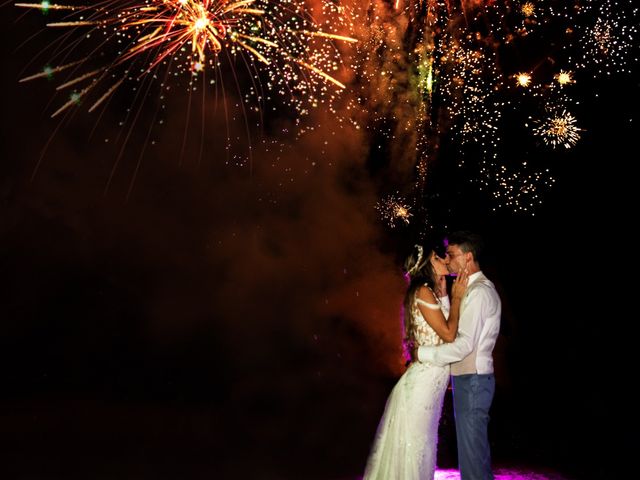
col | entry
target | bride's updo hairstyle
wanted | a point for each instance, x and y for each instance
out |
(419, 271)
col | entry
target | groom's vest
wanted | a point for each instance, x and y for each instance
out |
(467, 364)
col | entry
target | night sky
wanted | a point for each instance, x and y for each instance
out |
(207, 318)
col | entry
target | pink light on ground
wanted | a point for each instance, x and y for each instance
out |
(502, 474)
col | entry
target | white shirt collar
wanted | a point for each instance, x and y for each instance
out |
(474, 276)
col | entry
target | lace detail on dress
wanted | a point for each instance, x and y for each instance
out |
(422, 331)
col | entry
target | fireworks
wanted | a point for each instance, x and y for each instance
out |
(470, 79)
(564, 78)
(521, 188)
(393, 209)
(559, 129)
(523, 79)
(528, 9)
(606, 42)
(422, 74)
(192, 37)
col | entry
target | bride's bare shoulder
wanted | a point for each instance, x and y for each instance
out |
(426, 294)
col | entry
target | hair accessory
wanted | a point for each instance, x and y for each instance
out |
(417, 265)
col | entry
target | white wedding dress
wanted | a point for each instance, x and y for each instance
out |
(405, 444)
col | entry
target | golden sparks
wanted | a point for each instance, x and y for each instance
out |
(559, 129)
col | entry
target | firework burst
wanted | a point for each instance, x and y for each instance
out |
(558, 129)
(528, 9)
(606, 42)
(564, 78)
(192, 37)
(394, 209)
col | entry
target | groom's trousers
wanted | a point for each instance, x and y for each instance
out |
(472, 397)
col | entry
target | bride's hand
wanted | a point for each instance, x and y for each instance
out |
(460, 284)
(442, 287)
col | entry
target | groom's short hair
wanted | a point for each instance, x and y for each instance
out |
(468, 242)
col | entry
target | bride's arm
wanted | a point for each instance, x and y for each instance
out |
(446, 330)
(457, 292)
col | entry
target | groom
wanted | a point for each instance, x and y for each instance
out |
(470, 357)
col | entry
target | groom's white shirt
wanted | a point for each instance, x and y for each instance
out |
(477, 331)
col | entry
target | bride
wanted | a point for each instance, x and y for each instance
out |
(405, 444)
